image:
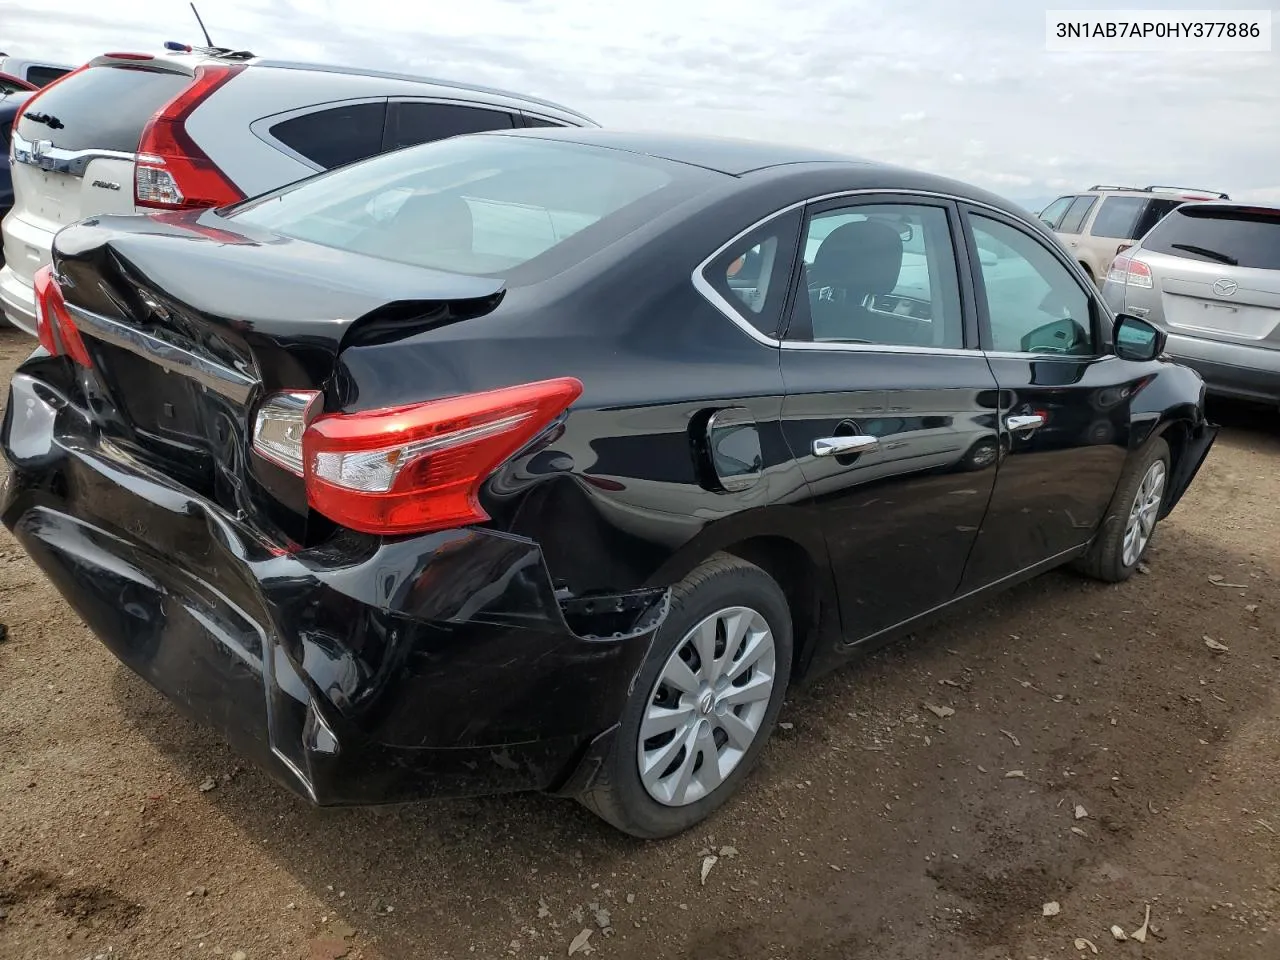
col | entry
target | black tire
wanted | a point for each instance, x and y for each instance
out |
(1105, 559)
(618, 795)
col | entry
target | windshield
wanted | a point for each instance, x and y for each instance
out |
(474, 204)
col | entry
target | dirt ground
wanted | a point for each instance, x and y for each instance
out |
(1101, 757)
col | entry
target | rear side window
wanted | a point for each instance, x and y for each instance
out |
(43, 76)
(472, 205)
(414, 123)
(530, 121)
(1233, 236)
(1156, 211)
(1079, 209)
(752, 275)
(102, 108)
(1118, 217)
(337, 135)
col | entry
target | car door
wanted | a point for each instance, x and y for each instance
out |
(1064, 398)
(410, 122)
(890, 408)
(1071, 226)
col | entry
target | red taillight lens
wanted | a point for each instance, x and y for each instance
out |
(55, 329)
(1131, 272)
(172, 172)
(420, 468)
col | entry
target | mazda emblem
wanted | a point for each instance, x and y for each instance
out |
(1224, 287)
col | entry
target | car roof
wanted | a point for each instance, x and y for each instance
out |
(415, 78)
(1261, 206)
(720, 154)
(186, 61)
(741, 158)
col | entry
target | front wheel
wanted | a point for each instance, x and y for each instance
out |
(704, 704)
(1131, 518)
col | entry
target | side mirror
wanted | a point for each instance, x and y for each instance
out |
(1136, 339)
(987, 257)
(1048, 223)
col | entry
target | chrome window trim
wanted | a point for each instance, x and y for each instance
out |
(221, 379)
(56, 160)
(710, 294)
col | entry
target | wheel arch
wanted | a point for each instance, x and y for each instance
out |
(777, 542)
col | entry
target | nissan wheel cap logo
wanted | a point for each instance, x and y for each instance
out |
(1224, 287)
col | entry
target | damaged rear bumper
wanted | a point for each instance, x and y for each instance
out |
(363, 671)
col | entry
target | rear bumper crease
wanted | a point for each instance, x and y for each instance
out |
(382, 673)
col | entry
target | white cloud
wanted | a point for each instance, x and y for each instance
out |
(972, 82)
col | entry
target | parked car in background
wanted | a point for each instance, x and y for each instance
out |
(1209, 275)
(549, 459)
(10, 102)
(136, 132)
(1098, 223)
(10, 84)
(38, 73)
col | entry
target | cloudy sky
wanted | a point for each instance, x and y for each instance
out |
(962, 88)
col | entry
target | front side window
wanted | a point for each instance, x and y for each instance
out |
(879, 274)
(1053, 213)
(472, 205)
(1034, 303)
(1076, 214)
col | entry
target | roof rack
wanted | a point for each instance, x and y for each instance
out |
(1213, 193)
(1112, 186)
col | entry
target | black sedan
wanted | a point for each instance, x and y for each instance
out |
(548, 460)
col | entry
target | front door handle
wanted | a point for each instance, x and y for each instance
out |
(843, 446)
(1027, 422)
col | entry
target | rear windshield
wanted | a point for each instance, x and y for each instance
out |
(482, 204)
(1234, 236)
(102, 108)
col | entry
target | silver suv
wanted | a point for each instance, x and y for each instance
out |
(1209, 275)
(1096, 224)
(189, 128)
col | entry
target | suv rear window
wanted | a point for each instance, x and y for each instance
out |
(102, 108)
(474, 205)
(1234, 236)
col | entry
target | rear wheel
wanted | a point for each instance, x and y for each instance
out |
(704, 705)
(1131, 518)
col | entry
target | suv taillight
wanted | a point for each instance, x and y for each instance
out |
(172, 172)
(407, 469)
(1130, 272)
(55, 329)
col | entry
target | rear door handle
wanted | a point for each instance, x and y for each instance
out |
(843, 446)
(1028, 422)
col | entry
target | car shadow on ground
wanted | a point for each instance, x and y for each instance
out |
(1060, 688)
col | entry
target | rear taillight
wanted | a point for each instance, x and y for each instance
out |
(1130, 272)
(55, 329)
(172, 172)
(406, 469)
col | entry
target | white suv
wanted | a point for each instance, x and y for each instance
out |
(189, 128)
